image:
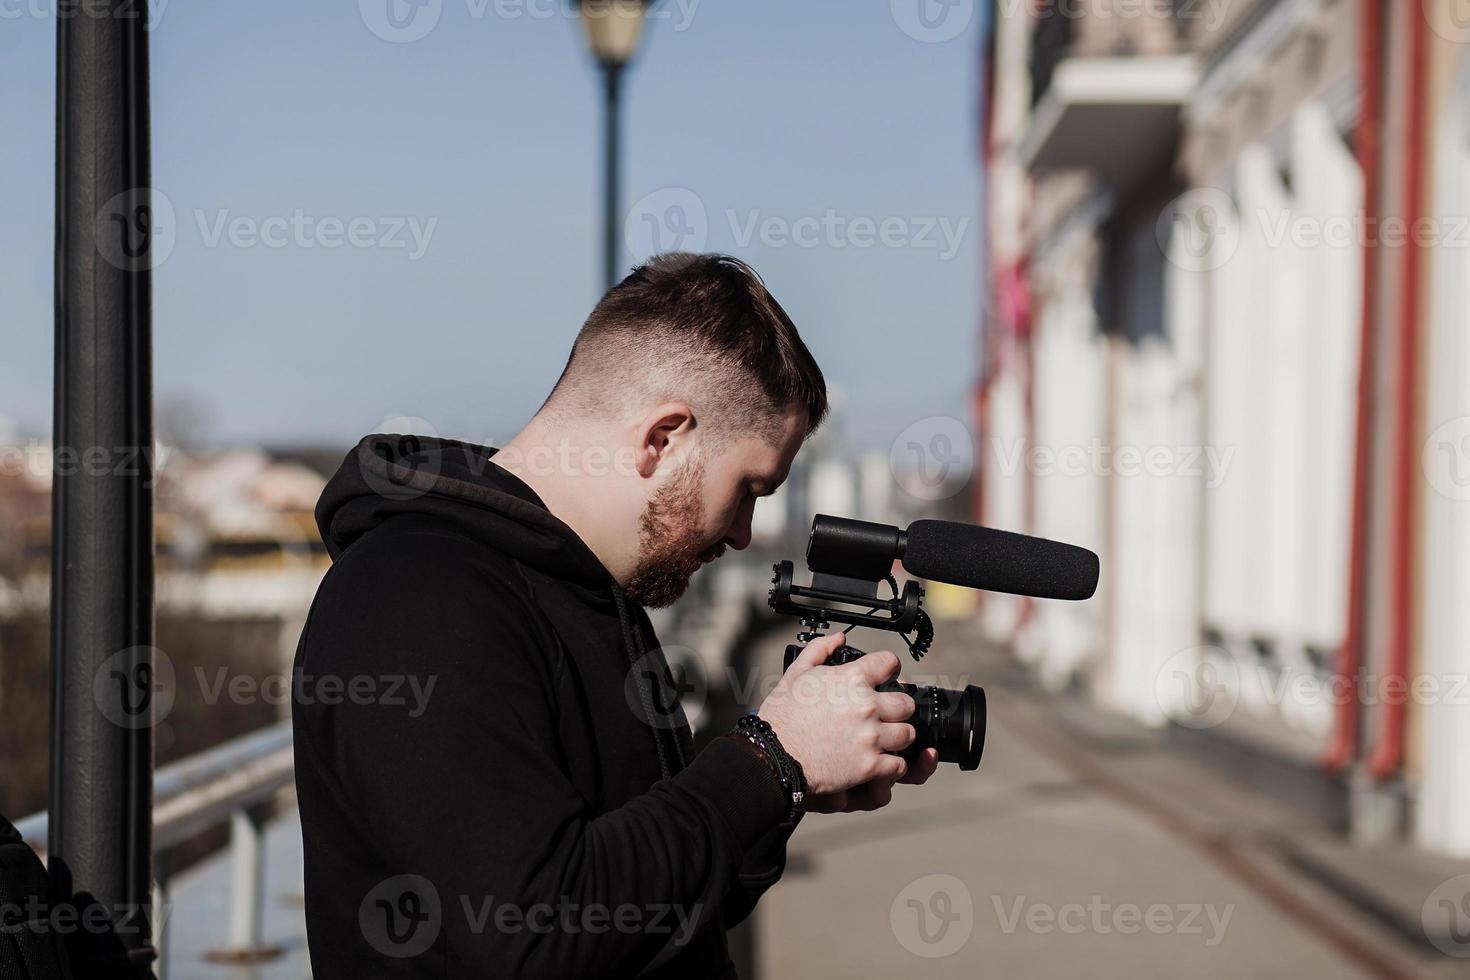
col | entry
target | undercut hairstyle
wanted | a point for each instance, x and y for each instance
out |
(702, 329)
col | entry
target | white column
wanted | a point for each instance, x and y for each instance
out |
(1442, 815)
(1070, 430)
(1001, 465)
(1329, 200)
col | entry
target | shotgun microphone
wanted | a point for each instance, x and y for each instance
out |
(998, 561)
(967, 555)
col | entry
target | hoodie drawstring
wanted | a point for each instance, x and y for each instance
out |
(645, 692)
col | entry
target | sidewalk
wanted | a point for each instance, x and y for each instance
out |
(1085, 845)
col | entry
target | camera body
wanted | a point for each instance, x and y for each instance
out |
(951, 721)
(849, 560)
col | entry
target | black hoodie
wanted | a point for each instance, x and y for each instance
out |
(481, 791)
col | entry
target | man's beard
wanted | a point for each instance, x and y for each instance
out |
(669, 546)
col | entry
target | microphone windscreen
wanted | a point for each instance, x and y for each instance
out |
(999, 561)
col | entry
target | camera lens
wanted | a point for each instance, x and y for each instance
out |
(951, 721)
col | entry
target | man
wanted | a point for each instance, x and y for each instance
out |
(531, 813)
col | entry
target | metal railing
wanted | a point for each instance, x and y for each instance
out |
(231, 783)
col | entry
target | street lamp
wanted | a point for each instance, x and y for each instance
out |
(614, 28)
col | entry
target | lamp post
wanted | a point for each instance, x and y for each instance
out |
(101, 824)
(614, 28)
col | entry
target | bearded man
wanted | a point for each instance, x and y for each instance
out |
(538, 810)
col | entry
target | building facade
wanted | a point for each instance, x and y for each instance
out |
(1228, 346)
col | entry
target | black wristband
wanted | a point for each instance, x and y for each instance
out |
(788, 770)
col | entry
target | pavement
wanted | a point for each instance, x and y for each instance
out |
(1088, 846)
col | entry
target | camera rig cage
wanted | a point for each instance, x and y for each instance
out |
(848, 560)
(837, 599)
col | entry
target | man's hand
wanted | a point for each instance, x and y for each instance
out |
(879, 792)
(842, 730)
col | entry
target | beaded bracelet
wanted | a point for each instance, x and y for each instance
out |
(767, 756)
(788, 770)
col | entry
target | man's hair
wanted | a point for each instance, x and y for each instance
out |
(698, 328)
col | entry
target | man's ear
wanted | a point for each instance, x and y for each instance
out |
(664, 436)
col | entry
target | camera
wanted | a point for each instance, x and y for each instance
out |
(849, 560)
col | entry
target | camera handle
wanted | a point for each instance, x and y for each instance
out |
(810, 627)
(844, 654)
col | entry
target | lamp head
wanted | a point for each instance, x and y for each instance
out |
(614, 28)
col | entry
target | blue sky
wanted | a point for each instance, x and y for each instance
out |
(831, 143)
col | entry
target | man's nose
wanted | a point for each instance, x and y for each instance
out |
(738, 536)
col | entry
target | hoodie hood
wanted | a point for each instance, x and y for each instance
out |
(389, 475)
(457, 482)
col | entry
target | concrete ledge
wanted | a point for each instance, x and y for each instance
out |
(1392, 884)
(1283, 769)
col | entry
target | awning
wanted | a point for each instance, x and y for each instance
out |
(1113, 116)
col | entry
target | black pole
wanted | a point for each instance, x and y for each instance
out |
(102, 499)
(612, 74)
